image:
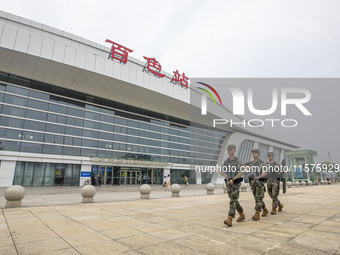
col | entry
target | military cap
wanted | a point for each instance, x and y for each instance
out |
(270, 154)
(256, 150)
(231, 147)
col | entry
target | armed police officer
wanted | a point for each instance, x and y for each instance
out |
(257, 184)
(233, 182)
(274, 176)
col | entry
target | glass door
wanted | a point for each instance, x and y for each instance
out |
(108, 176)
(123, 177)
(101, 175)
(138, 178)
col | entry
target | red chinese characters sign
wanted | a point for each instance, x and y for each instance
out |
(118, 52)
(152, 66)
(183, 80)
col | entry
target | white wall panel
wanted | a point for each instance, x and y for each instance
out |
(70, 55)
(35, 45)
(47, 48)
(89, 62)
(58, 52)
(80, 58)
(22, 41)
(8, 37)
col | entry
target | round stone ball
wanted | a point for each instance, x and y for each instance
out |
(88, 191)
(15, 193)
(310, 183)
(210, 187)
(145, 189)
(303, 183)
(244, 185)
(289, 184)
(297, 184)
(175, 188)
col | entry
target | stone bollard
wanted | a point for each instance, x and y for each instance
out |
(14, 195)
(244, 187)
(88, 192)
(322, 182)
(310, 183)
(224, 186)
(145, 191)
(210, 188)
(303, 184)
(289, 184)
(297, 184)
(175, 190)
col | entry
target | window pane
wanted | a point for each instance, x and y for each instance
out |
(39, 95)
(19, 173)
(31, 147)
(32, 136)
(55, 128)
(15, 100)
(38, 174)
(15, 89)
(49, 174)
(34, 125)
(71, 151)
(28, 174)
(36, 115)
(37, 104)
(13, 111)
(57, 108)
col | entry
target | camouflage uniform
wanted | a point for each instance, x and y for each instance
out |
(257, 187)
(233, 190)
(273, 184)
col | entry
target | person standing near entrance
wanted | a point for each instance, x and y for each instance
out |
(233, 182)
(164, 183)
(257, 184)
(99, 180)
(186, 180)
(93, 180)
(168, 182)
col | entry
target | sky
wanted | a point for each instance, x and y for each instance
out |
(214, 39)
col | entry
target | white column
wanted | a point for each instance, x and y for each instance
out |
(7, 169)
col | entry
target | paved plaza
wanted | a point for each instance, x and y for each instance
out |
(190, 224)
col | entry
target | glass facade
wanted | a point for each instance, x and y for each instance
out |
(40, 118)
(46, 174)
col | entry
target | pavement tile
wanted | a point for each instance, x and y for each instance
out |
(69, 251)
(131, 252)
(110, 247)
(5, 240)
(100, 224)
(42, 247)
(326, 228)
(169, 234)
(197, 242)
(230, 248)
(20, 237)
(166, 248)
(121, 233)
(8, 250)
(288, 249)
(328, 242)
(85, 239)
(139, 241)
